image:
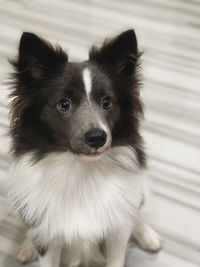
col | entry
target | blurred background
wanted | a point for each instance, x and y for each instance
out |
(169, 35)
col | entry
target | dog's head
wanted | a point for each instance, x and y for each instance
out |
(84, 107)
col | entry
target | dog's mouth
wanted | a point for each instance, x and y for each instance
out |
(91, 157)
(94, 155)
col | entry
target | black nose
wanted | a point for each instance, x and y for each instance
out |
(95, 138)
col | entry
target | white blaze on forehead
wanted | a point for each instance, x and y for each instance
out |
(87, 82)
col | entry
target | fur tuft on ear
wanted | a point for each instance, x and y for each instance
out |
(117, 55)
(37, 57)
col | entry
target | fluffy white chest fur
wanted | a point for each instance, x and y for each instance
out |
(64, 196)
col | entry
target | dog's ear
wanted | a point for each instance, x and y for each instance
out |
(37, 57)
(117, 55)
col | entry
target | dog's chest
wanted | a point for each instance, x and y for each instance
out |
(78, 201)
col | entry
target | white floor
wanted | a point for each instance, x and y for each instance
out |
(169, 34)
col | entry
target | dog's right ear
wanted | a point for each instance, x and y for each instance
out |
(38, 58)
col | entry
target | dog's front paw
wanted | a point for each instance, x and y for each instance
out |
(27, 252)
(148, 239)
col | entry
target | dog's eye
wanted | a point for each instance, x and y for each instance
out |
(106, 102)
(64, 105)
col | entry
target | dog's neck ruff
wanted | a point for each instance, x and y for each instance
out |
(65, 196)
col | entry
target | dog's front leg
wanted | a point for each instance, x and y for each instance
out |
(115, 248)
(51, 257)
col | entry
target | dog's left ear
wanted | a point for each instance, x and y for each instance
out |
(117, 55)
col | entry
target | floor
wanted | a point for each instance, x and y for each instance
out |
(169, 35)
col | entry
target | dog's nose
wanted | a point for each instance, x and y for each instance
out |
(95, 138)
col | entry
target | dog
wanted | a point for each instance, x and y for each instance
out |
(79, 178)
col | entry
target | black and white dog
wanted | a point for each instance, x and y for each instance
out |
(79, 179)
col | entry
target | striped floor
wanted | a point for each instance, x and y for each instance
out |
(169, 34)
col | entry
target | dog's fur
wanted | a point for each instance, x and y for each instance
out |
(70, 192)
